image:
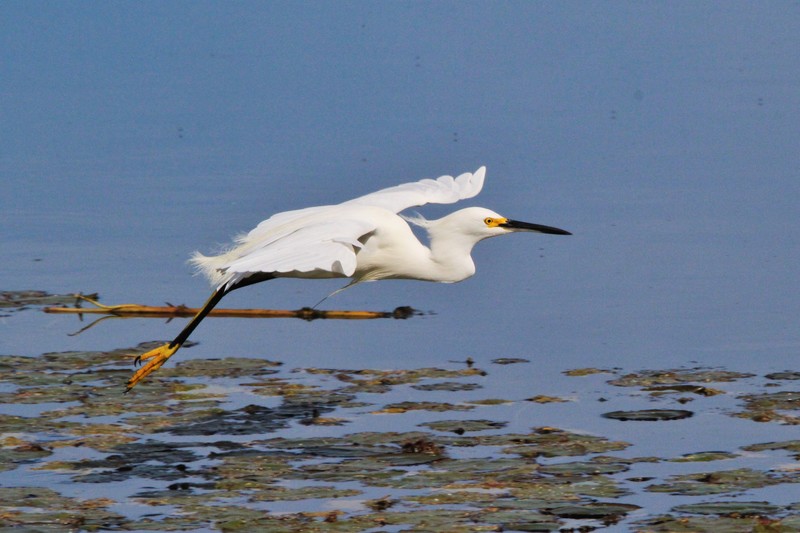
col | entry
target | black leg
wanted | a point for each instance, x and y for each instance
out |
(158, 356)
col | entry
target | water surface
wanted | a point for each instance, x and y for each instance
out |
(663, 136)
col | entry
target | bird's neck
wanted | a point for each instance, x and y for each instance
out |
(450, 256)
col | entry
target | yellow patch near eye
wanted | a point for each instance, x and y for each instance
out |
(494, 222)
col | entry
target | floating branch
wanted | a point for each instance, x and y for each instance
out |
(172, 311)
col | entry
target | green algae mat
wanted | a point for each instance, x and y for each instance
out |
(245, 444)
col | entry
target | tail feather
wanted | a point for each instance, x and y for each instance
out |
(212, 267)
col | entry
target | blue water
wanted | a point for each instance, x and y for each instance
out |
(663, 135)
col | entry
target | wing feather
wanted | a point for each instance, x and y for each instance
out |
(323, 246)
(319, 245)
(443, 190)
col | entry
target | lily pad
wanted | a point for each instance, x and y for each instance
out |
(463, 426)
(648, 415)
(541, 398)
(366, 377)
(733, 508)
(700, 390)
(22, 452)
(327, 492)
(230, 367)
(252, 419)
(448, 386)
(789, 445)
(717, 524)
(704, 457)
(489, 401)
(787, 375)
(43, 509)
(579, 372)
(650, 378)
(596, 511)
(402, 407)
(582, 468)
(726, 481)
(552, 442)
(521, 520)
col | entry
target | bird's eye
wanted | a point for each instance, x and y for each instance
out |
(489, 221)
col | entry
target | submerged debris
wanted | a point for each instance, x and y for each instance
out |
(17, 300)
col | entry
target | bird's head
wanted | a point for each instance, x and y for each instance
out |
(482, 223)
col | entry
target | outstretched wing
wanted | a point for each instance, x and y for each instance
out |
(323, 241)
(443, 190)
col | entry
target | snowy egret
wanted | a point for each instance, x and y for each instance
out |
(363, 239)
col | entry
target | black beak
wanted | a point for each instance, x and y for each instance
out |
(527, 226)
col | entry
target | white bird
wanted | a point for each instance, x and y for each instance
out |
(363, 239)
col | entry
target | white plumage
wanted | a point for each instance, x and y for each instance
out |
(363, 239)
(323, 242)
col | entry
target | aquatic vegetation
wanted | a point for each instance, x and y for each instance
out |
(184, 449)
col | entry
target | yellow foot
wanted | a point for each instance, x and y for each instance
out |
(157, 356)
